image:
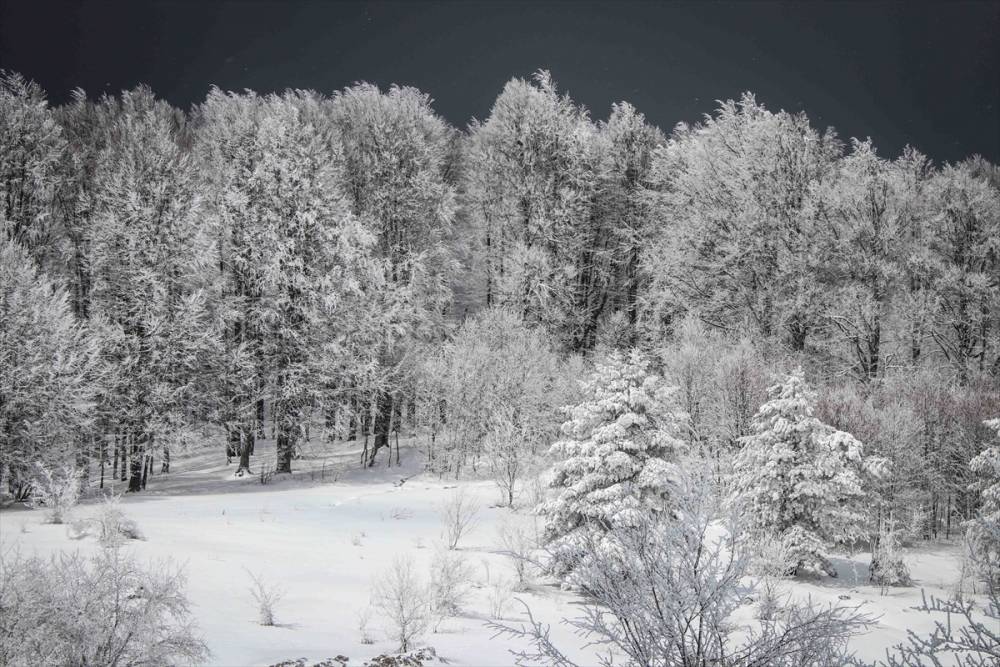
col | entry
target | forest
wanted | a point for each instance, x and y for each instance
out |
(747, 315)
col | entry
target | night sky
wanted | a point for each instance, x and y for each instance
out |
(900, 72)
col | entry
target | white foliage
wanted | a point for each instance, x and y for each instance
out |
(616, 461)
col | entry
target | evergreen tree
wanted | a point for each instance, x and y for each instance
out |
(617, 458)
(800, 480)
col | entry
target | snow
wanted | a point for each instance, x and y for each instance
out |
(324, 541)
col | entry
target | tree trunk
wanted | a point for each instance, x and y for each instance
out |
(287, 436)
(383, 417)
(137, 464)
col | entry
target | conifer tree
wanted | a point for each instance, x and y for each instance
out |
(800, 479)
(617, 459)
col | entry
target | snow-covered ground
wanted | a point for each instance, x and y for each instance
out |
(325, 534)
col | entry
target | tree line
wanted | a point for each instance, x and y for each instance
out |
(351, 263)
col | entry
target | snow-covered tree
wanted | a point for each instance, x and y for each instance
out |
(800, 480)
(616, 461)
(31, 147)
(48, 372)
(870, 220)
(496, 373)
(398, 155)
(531, 171)
(147, 250)
(983, 531)
(737, 239)
(964, 245)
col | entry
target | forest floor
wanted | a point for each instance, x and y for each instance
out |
(325, 533)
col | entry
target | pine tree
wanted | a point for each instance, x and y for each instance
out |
(617, 458)
(800, 479)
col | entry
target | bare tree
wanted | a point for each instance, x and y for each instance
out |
(402, 600)
(458, 516)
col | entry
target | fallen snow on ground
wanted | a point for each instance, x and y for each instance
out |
(324, 534)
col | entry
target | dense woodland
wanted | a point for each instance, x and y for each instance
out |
(350, 266)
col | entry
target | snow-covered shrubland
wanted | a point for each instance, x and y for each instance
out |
(107, 609)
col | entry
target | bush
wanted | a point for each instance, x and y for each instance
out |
(450, 577)
(102, 610)
(458, 516)
(664, 591)
(267, 598)
(56, 490)
(519, 543)
(403, 602)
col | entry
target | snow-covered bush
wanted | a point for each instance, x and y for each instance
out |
(519, 543)
(267, 596)
(451, 578)
(101, 610)
(888, 568)
(498, 595)
(665, 591)
(114, 524)
(402, 600)
(458, 516)
(799, 479)
(615, 463)
(56, 490)
(983, 531)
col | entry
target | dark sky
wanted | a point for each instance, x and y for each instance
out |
(900, 72)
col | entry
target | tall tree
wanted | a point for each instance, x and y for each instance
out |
(532, 177)
(397, 159)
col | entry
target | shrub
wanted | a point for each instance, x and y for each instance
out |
(402, 600)
(56, 490)
(450, 577)
(267, 597)
(458, 516)
(102, 610)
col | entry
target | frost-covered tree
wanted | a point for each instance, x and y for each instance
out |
(31, 148)
(49, 372)
(983, 531)
(616, 461)
(531, 170)
(628, 143)
(964, 246)
(495, 373)
(397, 156)
(871, 228)
(737, 238)
(800, 480)
(147, 250)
